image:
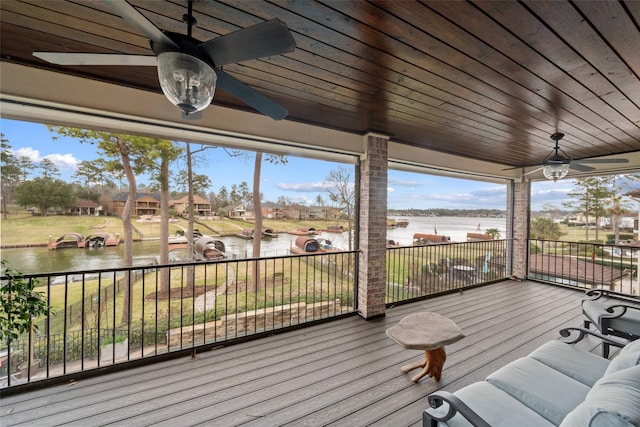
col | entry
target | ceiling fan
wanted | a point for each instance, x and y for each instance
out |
(188, 69)
(557, 164)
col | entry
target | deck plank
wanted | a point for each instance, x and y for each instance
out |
(340, 373)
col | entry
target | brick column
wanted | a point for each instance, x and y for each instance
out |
(518, 214)
(372, 279)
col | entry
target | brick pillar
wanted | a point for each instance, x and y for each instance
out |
(518, 206)
(372, 279)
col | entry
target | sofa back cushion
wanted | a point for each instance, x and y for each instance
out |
(613, 401)
(628, 357)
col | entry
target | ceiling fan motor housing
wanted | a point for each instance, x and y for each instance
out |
(187, 79)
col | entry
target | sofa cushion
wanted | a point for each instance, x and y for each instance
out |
(628, 357)
(496, 407)
(543, 389)
(580, 365)
(627, 323)
(613, 401)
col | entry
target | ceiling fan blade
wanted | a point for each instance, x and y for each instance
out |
(250, 96)
(533, 171)
(63, 58)
(618, 160)
(264, 39)
(139, 21)
(580, 168)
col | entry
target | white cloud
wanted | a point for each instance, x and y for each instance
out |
(62, 161)
(305, 187)
(403, 182)
(28, 152)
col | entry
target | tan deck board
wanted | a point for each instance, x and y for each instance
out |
(341, 373)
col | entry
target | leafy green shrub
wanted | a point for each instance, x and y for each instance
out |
(19, 305)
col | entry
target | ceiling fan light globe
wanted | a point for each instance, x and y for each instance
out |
(186, 81)
(555, 171)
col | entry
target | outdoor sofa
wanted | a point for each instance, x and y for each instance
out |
(555, 385)
(610, 317)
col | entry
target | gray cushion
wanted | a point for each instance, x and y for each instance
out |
(628, 323)
(578, 364)
(628, 357)
(496, 407)
(613, 401)
(543, 389)
(632, 347)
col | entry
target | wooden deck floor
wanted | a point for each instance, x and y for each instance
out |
(340, 373)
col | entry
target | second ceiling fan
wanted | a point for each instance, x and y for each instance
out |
(190, 70)
(557, 164)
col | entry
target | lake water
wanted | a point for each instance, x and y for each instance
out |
(42, 260)
(454, 227)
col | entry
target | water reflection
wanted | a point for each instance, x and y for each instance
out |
(41, 260)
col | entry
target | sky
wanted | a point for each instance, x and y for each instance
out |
(301, 180)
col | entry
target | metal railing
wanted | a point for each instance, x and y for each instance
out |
(418, 271)
(114, 316)
(585, 265)
(106, 317)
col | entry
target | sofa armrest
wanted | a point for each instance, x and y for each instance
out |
(436, 399)
(615, 313)
(594, 294)
(582, 332)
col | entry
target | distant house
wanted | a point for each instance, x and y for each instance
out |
(240, 211)
(295, 212)
(300, 212)
(146, 204)
(86, 207)
(272, 210)
(200, 205)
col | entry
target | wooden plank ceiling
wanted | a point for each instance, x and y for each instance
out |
(488, 80)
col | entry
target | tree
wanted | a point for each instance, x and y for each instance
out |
(166, 152)
(234, 195)
(284, 201)
(10, 172)
(493, 232)
(342, 192)
(552, 210)
(19, 305)
(616, 206)
(88, 194)
(544, 229)
(257, 230)
(45, 193)
(129, 154)
(90, 173)
(588, 198)
(245, 195)
(49, 169)
(200, 183)
(223, 195)
(26, 166)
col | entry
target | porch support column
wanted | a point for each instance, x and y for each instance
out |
(519, 207)
(372, 273)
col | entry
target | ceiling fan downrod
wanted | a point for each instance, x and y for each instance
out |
(189, 19)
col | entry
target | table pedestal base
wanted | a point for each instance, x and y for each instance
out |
(432, 364)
